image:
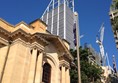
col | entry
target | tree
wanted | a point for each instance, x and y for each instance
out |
(112, 79)
(89, 72)
(114, 21)
(114, 4)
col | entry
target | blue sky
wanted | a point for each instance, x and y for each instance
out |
(92, 13)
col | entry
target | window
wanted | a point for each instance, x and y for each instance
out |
(46, 73)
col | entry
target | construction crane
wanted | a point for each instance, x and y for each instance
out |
(107, 58)
(99, 41)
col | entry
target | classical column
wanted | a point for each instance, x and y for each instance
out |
(32, 66)
(3, 59)
(67, 76)
(63, 74)
(39, 69)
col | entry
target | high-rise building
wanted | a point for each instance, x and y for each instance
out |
(59, 16)
(93, 57)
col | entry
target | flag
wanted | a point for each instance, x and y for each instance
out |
(114, 65)
(74, 32)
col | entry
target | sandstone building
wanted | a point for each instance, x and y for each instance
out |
(29, 54)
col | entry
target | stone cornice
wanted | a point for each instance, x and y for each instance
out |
(37, 46)
(4, 34)
(27, 44)
(3, 41)
(37, 37)
(27, 37)
(33, 45)
(65, 57)
(20, 34)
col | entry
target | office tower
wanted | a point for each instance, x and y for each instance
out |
(59, 16)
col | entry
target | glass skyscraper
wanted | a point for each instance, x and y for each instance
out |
(59, 16)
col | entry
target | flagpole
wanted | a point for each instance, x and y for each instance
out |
(77, 46)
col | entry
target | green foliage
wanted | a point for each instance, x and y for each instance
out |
(114, 4)
(112, 79)
(114, 23)
(84, 77)
(89, 72)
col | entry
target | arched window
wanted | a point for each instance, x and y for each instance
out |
(46, 73)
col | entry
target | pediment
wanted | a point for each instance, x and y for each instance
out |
(22, 25)
(58, 44)
(7, 26)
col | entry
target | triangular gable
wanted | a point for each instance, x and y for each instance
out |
(38, 26)
(22, 25)
(7, 26)
(57, 41)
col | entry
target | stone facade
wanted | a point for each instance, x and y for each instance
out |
(25, 49)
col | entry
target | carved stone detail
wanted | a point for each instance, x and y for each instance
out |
(64, 63)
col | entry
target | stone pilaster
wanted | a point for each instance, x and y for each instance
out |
(32, 66)
(3, 57)
(67, 76)
(63, 74)
(64, 64)
(38, 77)
(15, 64)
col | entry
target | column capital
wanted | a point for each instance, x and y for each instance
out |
(38, 50)
(37, 46)
(65, 56)
(65, 64)
(32, 71)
